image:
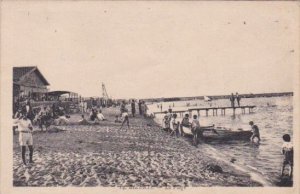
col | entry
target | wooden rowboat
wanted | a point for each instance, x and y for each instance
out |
(212, 133)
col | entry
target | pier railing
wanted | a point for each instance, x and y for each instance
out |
(214, 109)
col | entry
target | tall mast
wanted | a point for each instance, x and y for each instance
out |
(104, 92)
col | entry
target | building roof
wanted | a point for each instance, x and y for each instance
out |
(19, 72)
(60, 92)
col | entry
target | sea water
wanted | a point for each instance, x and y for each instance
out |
(274, 118)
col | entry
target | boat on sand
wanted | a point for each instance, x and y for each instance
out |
(217, 133)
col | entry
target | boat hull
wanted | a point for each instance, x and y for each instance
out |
(220, 134)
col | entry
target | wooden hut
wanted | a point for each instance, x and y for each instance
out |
(29, 82)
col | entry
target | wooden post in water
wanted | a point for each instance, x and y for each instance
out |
(198, 112)
(233, 111)
(206, 112)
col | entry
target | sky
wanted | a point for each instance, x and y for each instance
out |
(154, 49)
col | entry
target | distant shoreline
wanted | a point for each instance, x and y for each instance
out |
(215, 97)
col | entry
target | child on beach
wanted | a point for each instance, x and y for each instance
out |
(125, 118)
(83, 121)
(169, 117)
(185, 123)
(196, 130)
(25, 136)
(288, 152)
(255, 132)
(166, 124)
(100, 116)
(175, 125)
(93, 115)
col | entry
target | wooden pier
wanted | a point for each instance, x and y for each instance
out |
(180, 112)
(214, 109)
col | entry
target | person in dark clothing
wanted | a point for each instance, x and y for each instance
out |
(123, 107)
(232, 98)
(140, 107)
(288, 152)
(29, 111)
(133, 108)
(93, 115)
(238, 98)
(255, 132)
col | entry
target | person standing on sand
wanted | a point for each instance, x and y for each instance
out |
(143, 108)
(125, 118)
(196, 130)
(232, 98)
(133, 108)
(25, 136)
(140, 107)
(238, 99)
(81, 106)
(168, 118)
(175, 125)
(85, 106)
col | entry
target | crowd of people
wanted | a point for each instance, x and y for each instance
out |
(124, 112)
(26, 116)
(175, 127)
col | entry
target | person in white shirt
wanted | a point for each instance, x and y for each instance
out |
(85, 106)
(100, 116)
(62, 120)
(81, 106)
(25, 136)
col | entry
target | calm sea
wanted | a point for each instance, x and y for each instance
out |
(273, 116)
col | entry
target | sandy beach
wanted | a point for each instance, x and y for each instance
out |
(103, 155)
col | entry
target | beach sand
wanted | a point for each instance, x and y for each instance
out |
(103, 155)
